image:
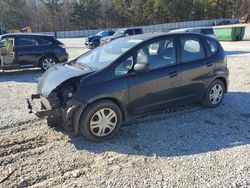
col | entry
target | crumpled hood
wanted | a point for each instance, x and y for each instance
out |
(56, 75)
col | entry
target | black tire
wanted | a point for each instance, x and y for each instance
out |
(48, 58)
(96, 44)
(212, 103)
(90, 113)
(54, 122)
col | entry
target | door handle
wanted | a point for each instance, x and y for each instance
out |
(209, 64)
(173, 74)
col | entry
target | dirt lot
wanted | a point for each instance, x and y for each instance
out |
(193, 147)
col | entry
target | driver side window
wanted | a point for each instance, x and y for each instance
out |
(124, 67)
(157, 54)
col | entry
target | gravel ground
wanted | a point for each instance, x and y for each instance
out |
(192, 147)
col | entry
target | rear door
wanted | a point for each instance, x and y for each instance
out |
(27, 50)
(196, 68)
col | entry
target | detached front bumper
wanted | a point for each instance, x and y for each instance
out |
(42, 110)
(69, 116)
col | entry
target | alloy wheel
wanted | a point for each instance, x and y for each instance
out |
(47, 63)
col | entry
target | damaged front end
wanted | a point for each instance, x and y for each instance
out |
(56, 89)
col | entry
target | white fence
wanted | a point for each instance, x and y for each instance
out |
(146, 29)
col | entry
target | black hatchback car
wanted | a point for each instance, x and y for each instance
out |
(132, 76)
(30, 50)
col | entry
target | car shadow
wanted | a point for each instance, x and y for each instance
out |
(192, 131)
(237, 52)
(23, 75)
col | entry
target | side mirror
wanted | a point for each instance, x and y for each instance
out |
(141, 67)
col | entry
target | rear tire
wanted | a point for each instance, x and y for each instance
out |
(47, 62)
(214, 94)
(100, 121)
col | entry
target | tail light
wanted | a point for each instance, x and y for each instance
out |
(62, 45)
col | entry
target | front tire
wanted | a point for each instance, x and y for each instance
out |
(100, 121)
(54, 122)
(214, 94)
(96, 44)
(47, 62)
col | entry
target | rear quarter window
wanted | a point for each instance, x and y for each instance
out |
(212, 46)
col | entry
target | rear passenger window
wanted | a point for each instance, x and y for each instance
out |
(191, 49)
(138, 31)
(129, 32)
(27, 42)
(212, 45)
(42, 41)
(111, 33)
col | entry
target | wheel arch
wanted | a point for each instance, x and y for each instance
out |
(115, 101)
(223, 79)
(47, 55)
(82, 108)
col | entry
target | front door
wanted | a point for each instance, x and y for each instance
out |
(159, 86)
(7, 51)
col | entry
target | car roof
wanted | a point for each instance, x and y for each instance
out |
(106, 31)
(190, 29)
(148, 36)
(130, 28)
(25, 34)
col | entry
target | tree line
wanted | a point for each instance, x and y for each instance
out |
(61, 15)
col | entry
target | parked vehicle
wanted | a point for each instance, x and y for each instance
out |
(30, 50)
(2, 31)
(94, 40)
(122, 33)
(122, 80)
(245, 19)
(202, 30)
(224, 22)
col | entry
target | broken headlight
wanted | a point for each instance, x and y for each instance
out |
(68, 92)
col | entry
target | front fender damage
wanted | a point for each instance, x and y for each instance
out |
(68, 116)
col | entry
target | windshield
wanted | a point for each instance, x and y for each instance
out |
(99, 33)
(119, 33)
(103, 56)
